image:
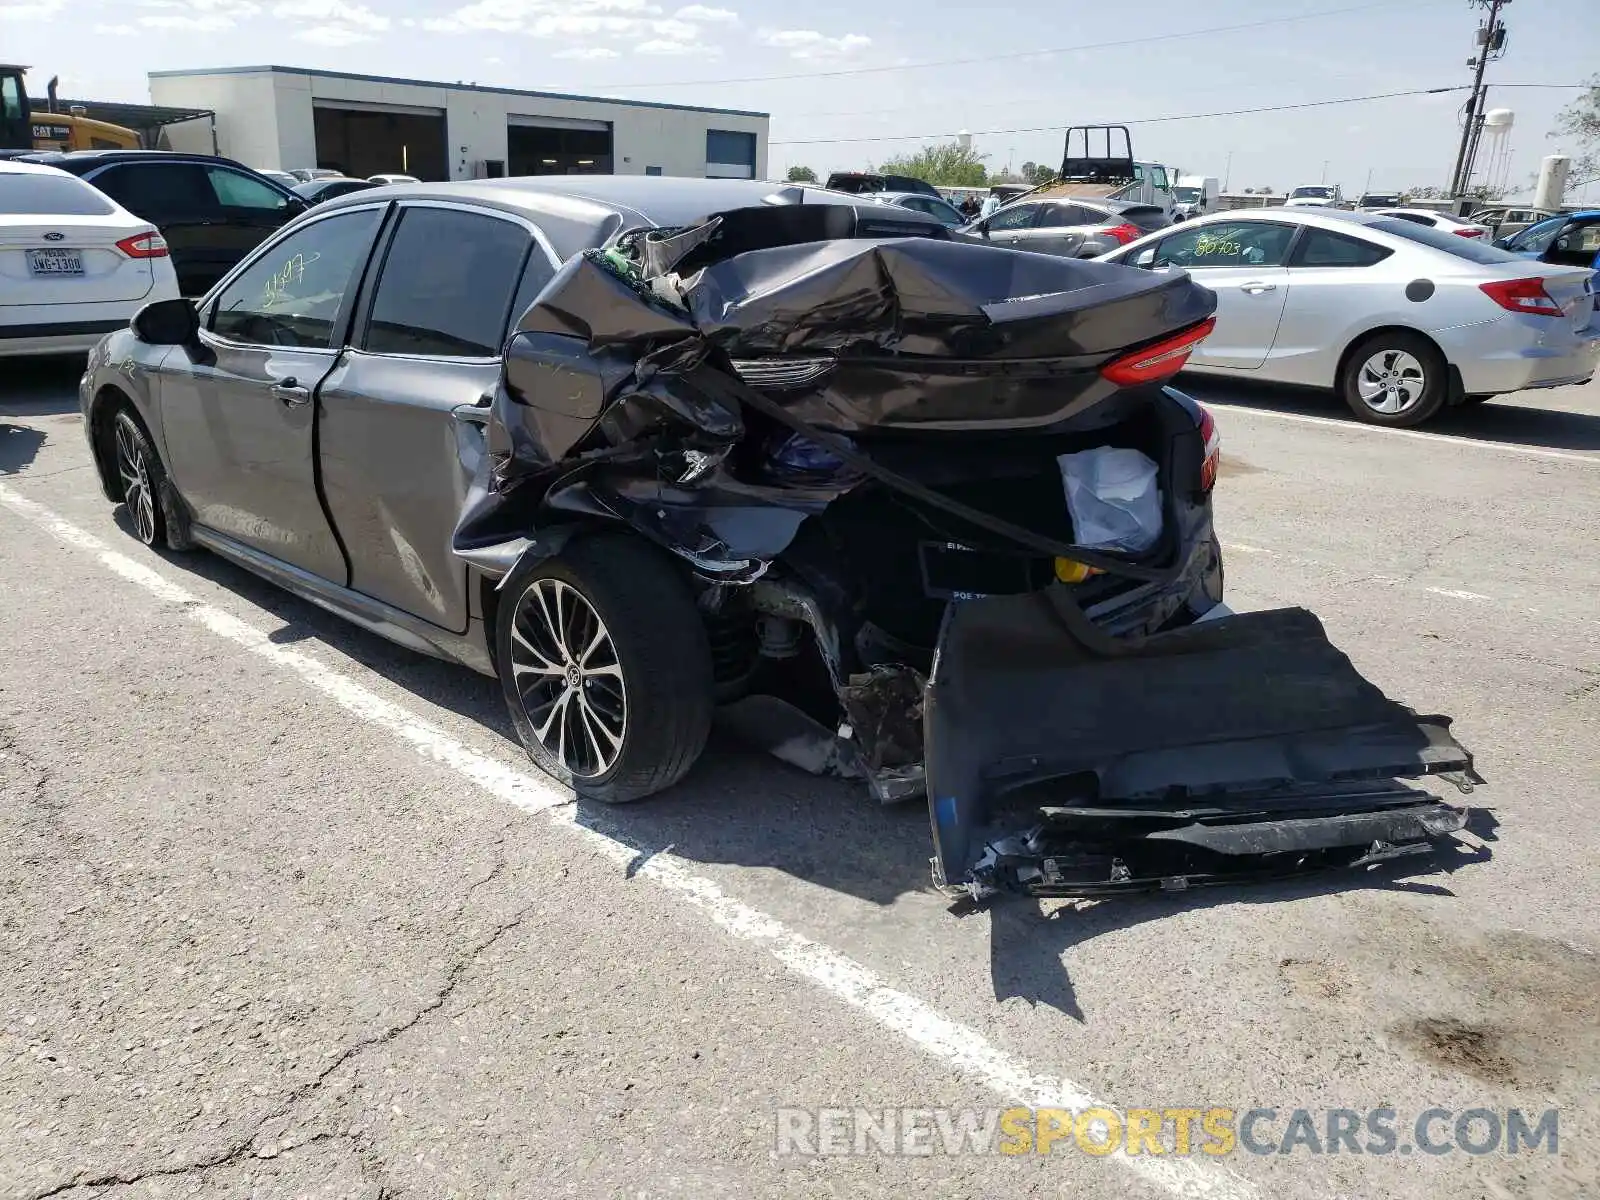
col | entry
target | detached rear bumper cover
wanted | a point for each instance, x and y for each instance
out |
(1060, 765)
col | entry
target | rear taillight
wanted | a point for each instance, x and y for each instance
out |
(1213, 452)
(1125, 233)
(1522, 296)
(144, 245)
(1157, 362)
(1469, 233)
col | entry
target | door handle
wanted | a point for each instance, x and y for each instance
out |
(1257, 287)
(291, 393)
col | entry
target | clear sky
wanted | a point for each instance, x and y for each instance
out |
(707, 54)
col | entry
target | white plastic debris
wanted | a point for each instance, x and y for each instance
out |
(1113, 497)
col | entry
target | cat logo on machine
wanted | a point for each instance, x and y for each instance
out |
(55, 236)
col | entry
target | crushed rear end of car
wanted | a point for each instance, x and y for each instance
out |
(876, 457)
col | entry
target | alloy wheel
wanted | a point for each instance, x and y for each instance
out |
(1391, 381)
(568, 678)
(134, 472)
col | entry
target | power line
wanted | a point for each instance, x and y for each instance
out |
(984, 58)
(1234, 112)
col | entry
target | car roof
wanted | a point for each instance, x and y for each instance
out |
(10, 166)
(579, 211)
(77, 161)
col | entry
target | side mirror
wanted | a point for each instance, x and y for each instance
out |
(167, 323)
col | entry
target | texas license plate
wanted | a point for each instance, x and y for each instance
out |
(55, 262)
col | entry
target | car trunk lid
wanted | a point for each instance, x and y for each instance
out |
(70, 260)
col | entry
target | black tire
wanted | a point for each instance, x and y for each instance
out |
(662, 661)
(1409, 352)
(146, 493)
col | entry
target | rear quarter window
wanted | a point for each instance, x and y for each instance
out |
(1453, 244)
(51, 195)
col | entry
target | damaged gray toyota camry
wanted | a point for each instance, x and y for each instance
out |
(894, 505)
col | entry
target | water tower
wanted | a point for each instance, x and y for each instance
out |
(1497, 125)
(964, 140)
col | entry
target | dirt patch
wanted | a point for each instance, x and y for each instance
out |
(1456, 1046)
(1232, 468)
(1314, 978)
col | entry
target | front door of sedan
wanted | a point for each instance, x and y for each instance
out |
(1007, 226)
(1242, 262)
(401, 434)
(238, 417)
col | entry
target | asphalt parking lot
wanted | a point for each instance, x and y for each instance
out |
(284, 910)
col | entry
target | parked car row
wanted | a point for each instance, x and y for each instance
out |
(1401, 311)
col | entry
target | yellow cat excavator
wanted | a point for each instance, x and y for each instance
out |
(24, 127)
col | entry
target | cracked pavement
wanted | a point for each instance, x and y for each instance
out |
(255, 946)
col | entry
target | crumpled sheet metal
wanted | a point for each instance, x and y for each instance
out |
(607, 359)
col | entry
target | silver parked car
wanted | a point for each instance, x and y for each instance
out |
(1074, 228)
(1508, 222)
(1400, 319)
(642, 447)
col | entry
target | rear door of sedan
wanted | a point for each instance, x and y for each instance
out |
(401, 426)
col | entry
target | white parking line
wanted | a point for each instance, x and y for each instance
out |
(1422, 435)
(960, 1047)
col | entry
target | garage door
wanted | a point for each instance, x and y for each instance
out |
(730, 155)
(380, 139)
(557, 146)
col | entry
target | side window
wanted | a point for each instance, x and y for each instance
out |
(1414, 218)
(535, 275)
(234, 189)
(1322, 248)
(1158, 176)
(160, 192)
(1014, 216)
(10, 98)
(1238, 244)
(447, 284)
(291, 295)
(1537, 238)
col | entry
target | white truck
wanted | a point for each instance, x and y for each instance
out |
(1195, 196)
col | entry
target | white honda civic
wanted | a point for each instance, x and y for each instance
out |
(74, 264)
(1398, 318)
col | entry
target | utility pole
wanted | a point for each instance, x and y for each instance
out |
(1491, 44)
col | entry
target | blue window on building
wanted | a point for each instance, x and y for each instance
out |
(730, 154)
(652, 170)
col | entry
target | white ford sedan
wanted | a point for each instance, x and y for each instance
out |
(74, 264)
(1400, 319)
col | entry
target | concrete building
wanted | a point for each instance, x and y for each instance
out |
(364, 125)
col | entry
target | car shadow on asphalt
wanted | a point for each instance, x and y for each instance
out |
(1517, 424)
(18, 446)
(41, 387)
(739, 807)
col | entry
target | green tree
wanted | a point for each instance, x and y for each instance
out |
(1037, 173)
(802, 175)
(1580, 121)
(947, 165)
